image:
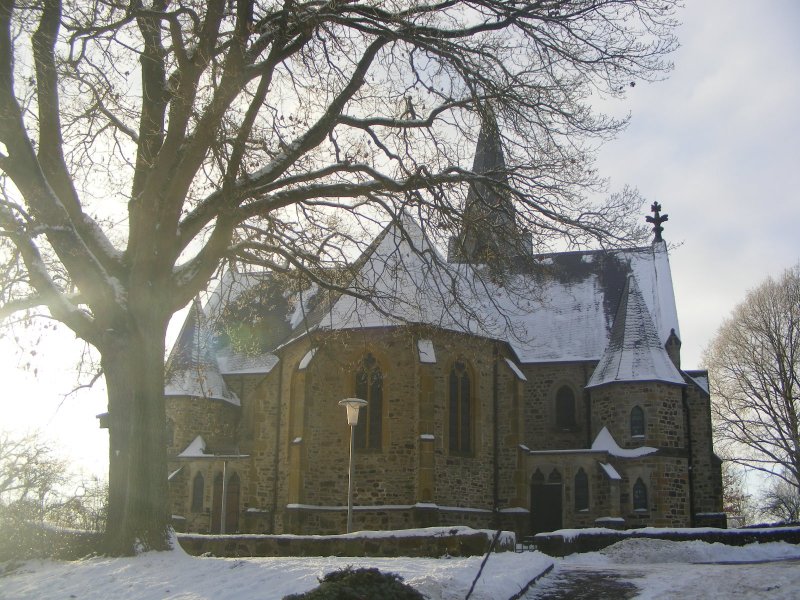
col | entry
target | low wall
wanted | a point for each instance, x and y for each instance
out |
(428, 542)
(570, 541)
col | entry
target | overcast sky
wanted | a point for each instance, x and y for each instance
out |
(717, 144)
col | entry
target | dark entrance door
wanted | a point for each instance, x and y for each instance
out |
(545, 507)
(231, 504)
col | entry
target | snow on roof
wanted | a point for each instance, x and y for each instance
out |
(552, 308)
(513, 366)
(700, 378)
(610, 472)
(302, 305)
(427, 354)
(231, 363)
(606, 442)
(200, 383)
(635, 352)
(702, 382)
(192, 368)
(306, 360)
(196, 449)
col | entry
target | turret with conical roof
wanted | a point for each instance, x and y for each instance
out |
(634, 351)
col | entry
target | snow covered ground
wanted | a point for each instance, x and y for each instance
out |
(663, 569)
(660, 569)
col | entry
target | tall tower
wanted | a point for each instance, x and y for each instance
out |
(489, 232)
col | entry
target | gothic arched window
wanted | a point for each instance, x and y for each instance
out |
(554, 477)
(537, 478)
(639, 495)
(198, 489)
(460, 409)
(565, 408)
(369, 387)
(637, 422)
(581, 490)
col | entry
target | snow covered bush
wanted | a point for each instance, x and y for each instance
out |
(355, 584)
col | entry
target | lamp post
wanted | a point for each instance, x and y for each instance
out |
(353, 405)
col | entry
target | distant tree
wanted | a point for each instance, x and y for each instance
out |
(781, 500)
(30, 473)
(754, 369)
(737, 502)
(144, 143)
(85, 508)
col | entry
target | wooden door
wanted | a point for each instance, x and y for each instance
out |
(546, 507)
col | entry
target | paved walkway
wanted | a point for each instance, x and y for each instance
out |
(756, 579)
(578, 582)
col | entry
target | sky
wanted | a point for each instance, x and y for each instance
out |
(717, 144)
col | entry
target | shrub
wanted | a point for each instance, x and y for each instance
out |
(360, 584)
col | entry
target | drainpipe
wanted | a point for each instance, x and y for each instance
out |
(495, 441)
(277, 449)
(685, 402)
(224, 504)
(587, 404)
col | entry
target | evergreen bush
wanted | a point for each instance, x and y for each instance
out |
(360, 584)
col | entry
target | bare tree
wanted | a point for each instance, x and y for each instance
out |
(737, 502)
(30, 472)
(781, 500)
(86, 508)
(754, 365)
(143, 144)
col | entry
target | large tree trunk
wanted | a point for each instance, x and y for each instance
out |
(134, 372)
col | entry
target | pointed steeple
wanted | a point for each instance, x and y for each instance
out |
(192, 368)
(489, 233)
(634, 351)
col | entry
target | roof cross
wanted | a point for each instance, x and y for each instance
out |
(657, 220)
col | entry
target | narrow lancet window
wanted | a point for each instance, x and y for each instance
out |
(369, 387)
(637, 422)
(639, 495)
(460, 409)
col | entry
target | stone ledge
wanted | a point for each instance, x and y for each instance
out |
(429, 542)
(571, 541)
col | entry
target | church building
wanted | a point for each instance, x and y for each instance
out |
(547, 395)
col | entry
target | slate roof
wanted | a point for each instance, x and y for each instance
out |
(635, 352)
(561, 308)
(193, 368)
(549, 308)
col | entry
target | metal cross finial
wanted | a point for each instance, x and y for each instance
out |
(657, 220)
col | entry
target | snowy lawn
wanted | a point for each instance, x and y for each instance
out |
(658, 568)
(178, 576)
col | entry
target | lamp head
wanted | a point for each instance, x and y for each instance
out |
(353, 405)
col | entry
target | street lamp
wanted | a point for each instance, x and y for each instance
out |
(353, 405)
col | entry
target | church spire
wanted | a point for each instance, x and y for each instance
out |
(489, 232)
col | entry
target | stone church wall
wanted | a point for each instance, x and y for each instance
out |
(706, 468)
(539, 405)
(216, 420)
(663, 413)
(291, 426)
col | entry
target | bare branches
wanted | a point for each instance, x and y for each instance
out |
(201, 120)
(754, 364)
